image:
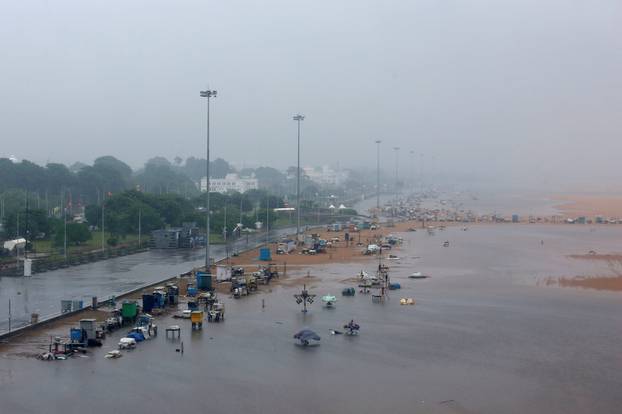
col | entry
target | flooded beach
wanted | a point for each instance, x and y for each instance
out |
(311, 207)
(486, 335)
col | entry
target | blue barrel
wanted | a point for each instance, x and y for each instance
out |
(158, 301)
(204, 281)
(192, 291)
(264, 254)
(75, 334)
(148, 302)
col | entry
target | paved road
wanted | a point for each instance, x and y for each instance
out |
(43, 292)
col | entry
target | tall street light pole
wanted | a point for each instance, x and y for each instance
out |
(421, 171)
(103, 224)
(298, 118)
(207, 94)
(397, 151)
(378, 174)
(412, 169)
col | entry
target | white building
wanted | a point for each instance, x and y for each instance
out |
(231, 182)
(326, 175)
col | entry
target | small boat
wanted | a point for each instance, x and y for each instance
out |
(329, 300)
(418, 275)
(407, 301)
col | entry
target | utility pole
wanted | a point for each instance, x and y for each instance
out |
(397, 150)
(240, 224)
(139, 226)
(26, 231)
(65, 231)
(224, 233)
(421, 171)
(378, 174)
(412, 169)
(207, 94)
(267, 218)
(104, 224)
(298, 118)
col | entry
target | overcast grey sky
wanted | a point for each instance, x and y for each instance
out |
(524, 89)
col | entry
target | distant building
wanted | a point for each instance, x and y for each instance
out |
(326, 175)
(231, 182)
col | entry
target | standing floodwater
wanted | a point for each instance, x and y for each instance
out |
(485, 336)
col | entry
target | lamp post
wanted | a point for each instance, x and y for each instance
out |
(378, 174)
(207, 94)
(139, 226)
(397, 151)
(412, 169)
(103, 224)
(298, 118)
(421, 171)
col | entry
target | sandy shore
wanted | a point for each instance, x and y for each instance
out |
(340, 252)
(589, 205)
(612, 282)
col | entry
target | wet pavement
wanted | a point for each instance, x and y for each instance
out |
(484, 337)
(43, 292)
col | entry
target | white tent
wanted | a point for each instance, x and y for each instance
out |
(341, 207)
(332, 207)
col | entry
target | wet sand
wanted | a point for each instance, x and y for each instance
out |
(341, 252)
(611, 281)
(484, 337)
(590, 205)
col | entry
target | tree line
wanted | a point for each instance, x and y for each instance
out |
(126, 212)
(55, 186)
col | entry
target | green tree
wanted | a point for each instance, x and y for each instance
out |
(77, 233)
(93, 213)
(31, 222)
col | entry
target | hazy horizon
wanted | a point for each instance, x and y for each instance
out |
(522, 92)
